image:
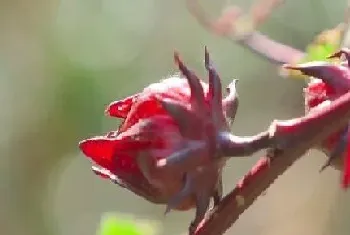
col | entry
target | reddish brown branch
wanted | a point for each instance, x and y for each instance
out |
(276, 52)
(240, 28)
(294, 138)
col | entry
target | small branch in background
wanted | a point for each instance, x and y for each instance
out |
(262, 9)
(241, 28)
(293, 138)
(345, 27)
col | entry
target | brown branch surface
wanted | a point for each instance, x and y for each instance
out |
(293, 138)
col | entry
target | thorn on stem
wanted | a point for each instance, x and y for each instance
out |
(343, 52)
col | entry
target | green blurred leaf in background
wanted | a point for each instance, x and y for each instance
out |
(116, 224)
(324, 44)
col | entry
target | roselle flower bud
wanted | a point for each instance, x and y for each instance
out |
(174, 141)
(330, 81)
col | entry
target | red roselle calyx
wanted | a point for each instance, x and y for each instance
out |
(174, 141)
(329, 82)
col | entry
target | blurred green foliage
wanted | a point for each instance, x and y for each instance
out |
(117, 225)
(322, 46)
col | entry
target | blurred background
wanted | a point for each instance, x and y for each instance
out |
(62, 62)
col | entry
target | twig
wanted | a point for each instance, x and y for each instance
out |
(345, 27)
(241, 29)
(293, 138)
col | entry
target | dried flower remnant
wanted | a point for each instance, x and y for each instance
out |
(328, 82)
(174, 141)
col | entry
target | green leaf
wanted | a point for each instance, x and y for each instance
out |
(116, 225)
(316, 52)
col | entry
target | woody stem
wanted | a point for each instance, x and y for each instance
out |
(293, 138)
